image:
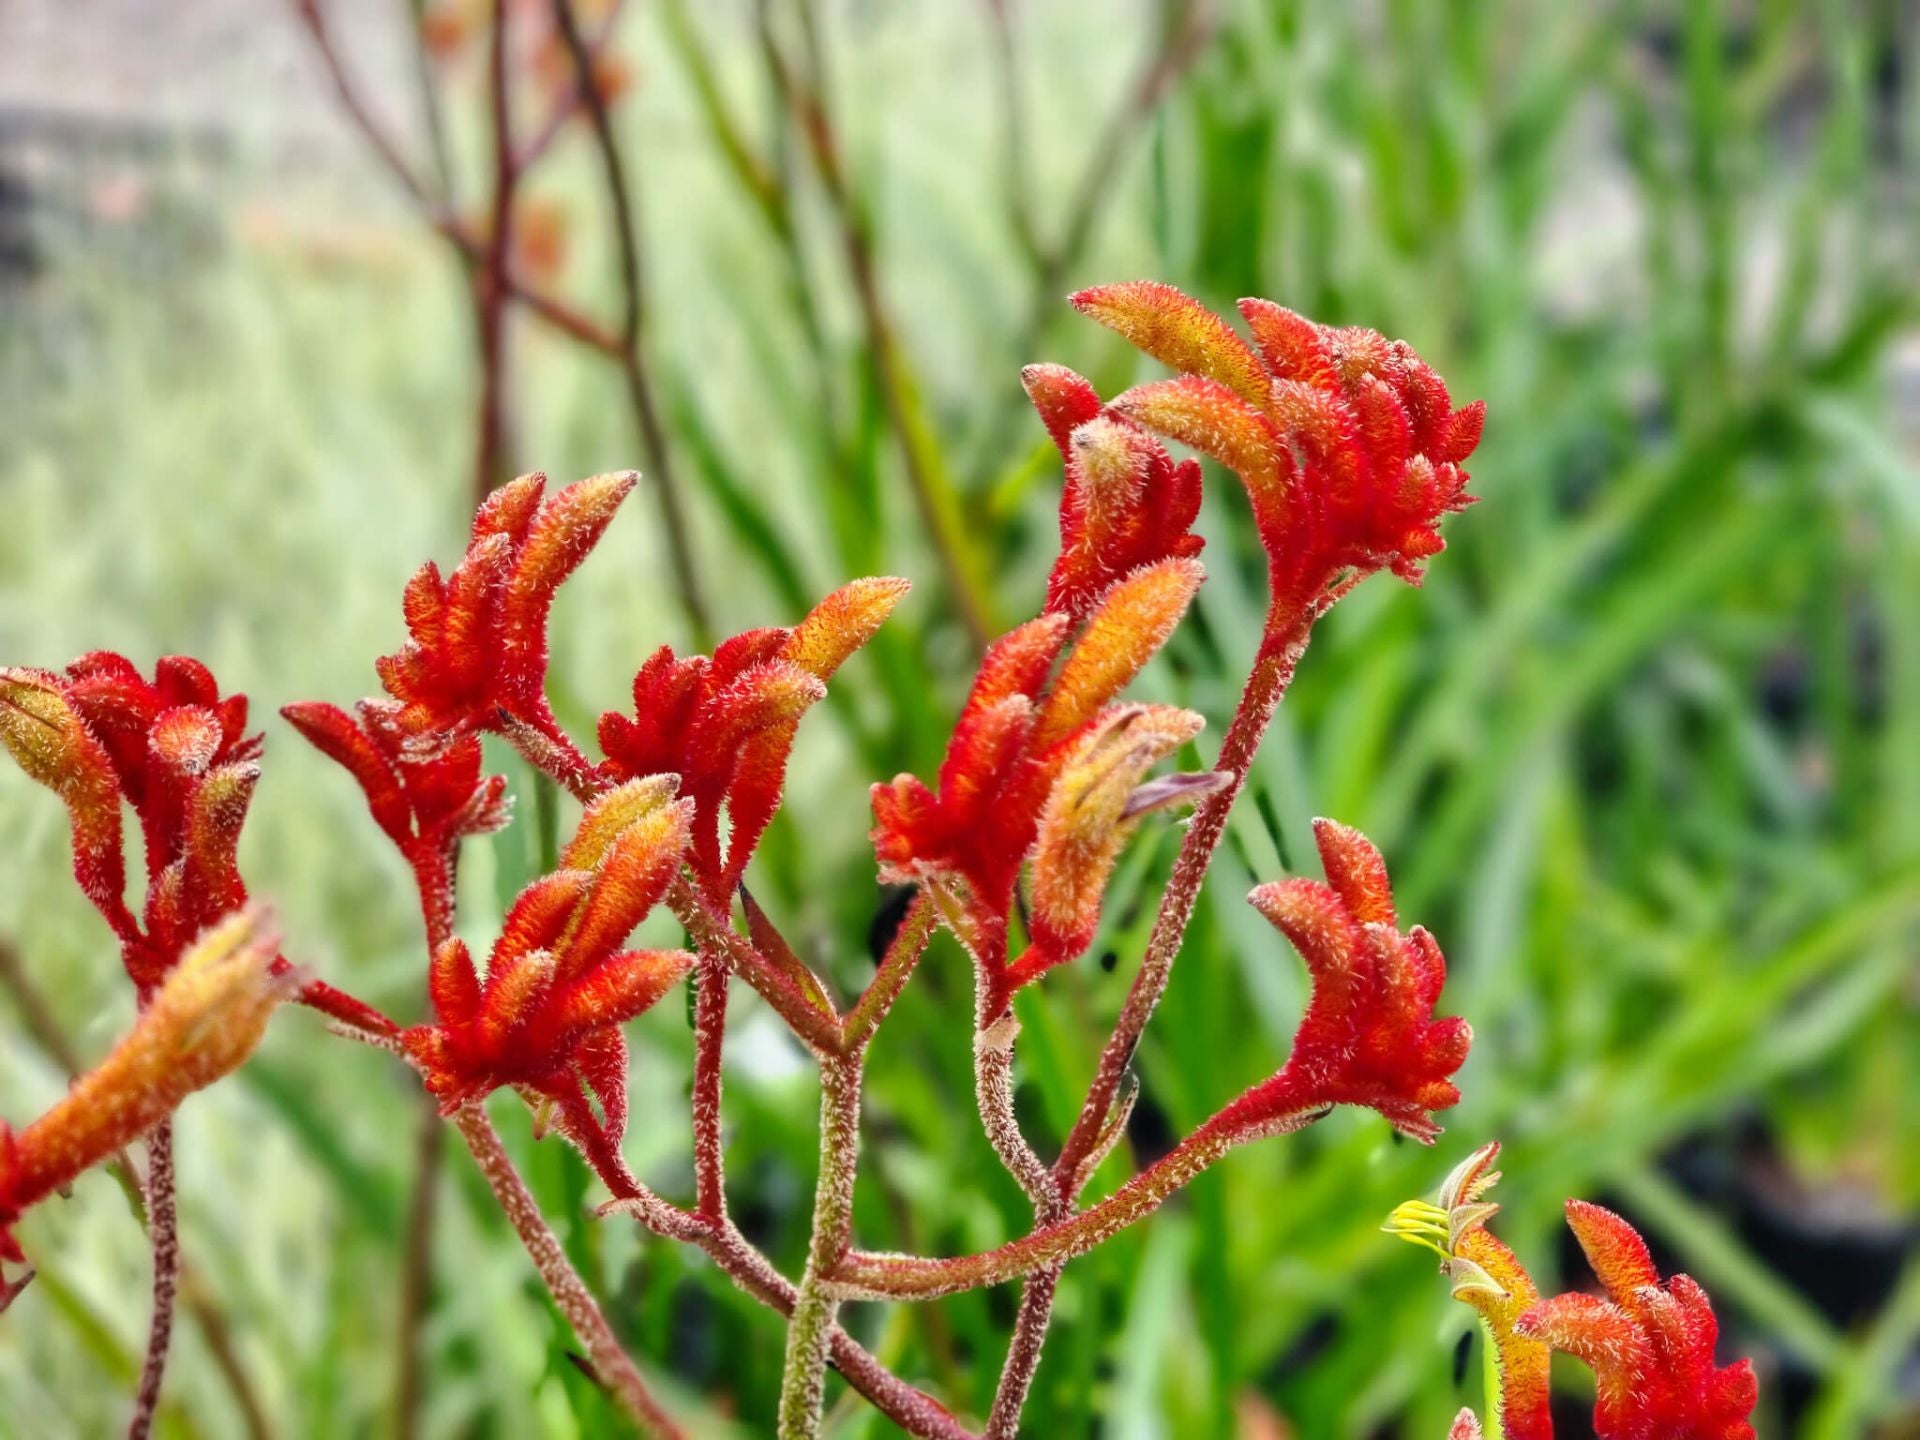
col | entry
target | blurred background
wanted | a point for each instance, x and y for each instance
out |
(1644, 752)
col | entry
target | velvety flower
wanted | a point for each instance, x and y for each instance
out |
(1125, 502)
(1487, 1276)
(1027, 719)
(425, 804)
(173, 749)
(1369, 1036)
(203, 1020)
(725, 725)
(1650, 1343)
(476, 653)
(547, 1016)
(1348, 443)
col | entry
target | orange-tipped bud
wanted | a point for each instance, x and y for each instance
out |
(557, 986)
(1094, 806)
(1131, 623)
(202, 1022)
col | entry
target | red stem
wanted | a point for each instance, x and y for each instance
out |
(709, 1040)
(163, 1227)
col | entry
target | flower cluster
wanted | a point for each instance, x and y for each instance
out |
(174, 750)
(1369, 1036)
(1124, 504)
(558, 986)
(1347, 442)
(476, 656)
(426, 804)
(1040, 755)
(725, 725)
(1650, 1343)
(205, 1017)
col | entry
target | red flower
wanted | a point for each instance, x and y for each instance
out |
(1348, 442)
(1650, 1344)
(558, 986)
(1125, 503)
(1022, 728)
(725, 725)
(1368, 1037)
(477, 650)
(426, 805)
(177, 753)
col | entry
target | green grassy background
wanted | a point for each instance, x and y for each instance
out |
(1644, 753)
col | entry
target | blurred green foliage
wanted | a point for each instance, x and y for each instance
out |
(1644, 752)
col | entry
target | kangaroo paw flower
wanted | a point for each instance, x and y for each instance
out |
(558, 987)
(1369, 1036)
(205, 1018)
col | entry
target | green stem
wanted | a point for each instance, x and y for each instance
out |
(810, 1332)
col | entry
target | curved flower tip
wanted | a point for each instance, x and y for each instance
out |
(1466, 1426)
(558, 987)
(1485, 1275)
(1039, 757)
(477, 639)
(1651, 1345)
(1369, 1036)
(423, 803)
(1125, 503)
(205, 1018)
(1093, 808)
(725, 724)
(1348, 442)
(175, 750)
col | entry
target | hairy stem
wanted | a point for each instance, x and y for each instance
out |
(868, 1276)
(1272, 671)
(163, 1225)
(709, 1036)
(611, 1364)
(909, 943)
(804, 1386)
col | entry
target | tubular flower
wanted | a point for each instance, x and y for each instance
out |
(476, 655)
(1487, 1276)
(1094, 806)
(1024, 725)
(558, 986)
(1348, 443)
(725, 725)
(1466, 1426)
(205, 1019)
(177, 753)
(426, 805)
(1368, 1037)
(1650, 1344)
(1125, 503)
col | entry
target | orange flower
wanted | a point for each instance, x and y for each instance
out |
(1020, 731)
(476, 655)
(202, 1022)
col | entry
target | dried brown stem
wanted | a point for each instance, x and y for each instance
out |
(623, 208)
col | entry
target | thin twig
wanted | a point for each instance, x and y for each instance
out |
(927, 480)
(640, 394)
(163, 1225)
(489, 280)
(611, 1364)
(416, 1267)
